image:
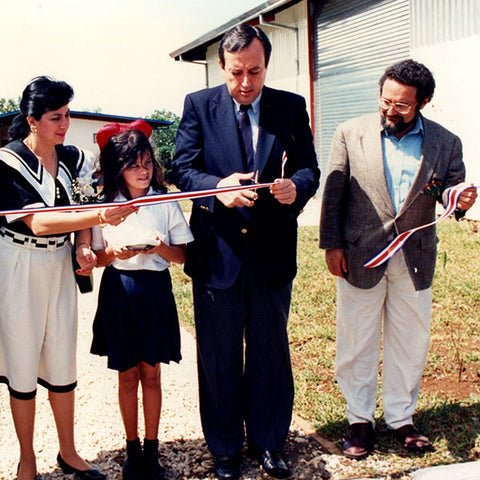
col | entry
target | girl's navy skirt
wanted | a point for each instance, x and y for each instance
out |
(136, 319)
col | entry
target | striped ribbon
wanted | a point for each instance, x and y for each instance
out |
(453, 194)
(284, 161)
(139, 201)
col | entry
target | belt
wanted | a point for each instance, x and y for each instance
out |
(47, 244)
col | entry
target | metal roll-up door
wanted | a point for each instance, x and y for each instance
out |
(354, 41)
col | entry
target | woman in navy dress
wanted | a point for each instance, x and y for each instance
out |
(38, 298)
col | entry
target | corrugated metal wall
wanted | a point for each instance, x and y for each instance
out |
(353, 44)
(435, 21)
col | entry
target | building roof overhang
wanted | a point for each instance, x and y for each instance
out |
(6, 118)
(196, 51)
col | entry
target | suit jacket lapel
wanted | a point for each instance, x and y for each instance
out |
(371, 144)
(427, 164)
(225, 121)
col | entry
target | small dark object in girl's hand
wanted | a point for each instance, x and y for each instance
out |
(143, 246)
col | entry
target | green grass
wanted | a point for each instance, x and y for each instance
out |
(448, 409)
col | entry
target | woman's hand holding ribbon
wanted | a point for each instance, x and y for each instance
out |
(117, 215)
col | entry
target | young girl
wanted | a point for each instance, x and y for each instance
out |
(136, 324)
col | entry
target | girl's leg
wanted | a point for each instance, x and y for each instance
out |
(152, 406)
(128, 400)
(23, 413)
(152, 398)
(63, 408)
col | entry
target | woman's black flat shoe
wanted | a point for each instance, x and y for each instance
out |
(92, 474)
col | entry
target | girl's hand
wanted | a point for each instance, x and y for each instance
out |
(86, 258)
(115, 215)
(156, 249)
(123, 253)
(171, 253)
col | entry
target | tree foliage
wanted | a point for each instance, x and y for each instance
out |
(163, 139)
(9, 104)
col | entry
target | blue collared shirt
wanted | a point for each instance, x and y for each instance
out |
(254, 116)
(401, 159)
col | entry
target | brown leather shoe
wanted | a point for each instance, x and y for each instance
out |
(359, 441)
(412, 439)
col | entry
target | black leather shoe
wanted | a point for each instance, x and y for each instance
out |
(227, 467)
(273, 464)
(92, 474)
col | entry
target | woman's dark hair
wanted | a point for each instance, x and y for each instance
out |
(41, 95)
(241, 37)
(414, 74)
(120, 152)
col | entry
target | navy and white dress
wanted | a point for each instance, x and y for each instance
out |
(38, 298)
(136, 319)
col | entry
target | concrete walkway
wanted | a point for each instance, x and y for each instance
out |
(463, 471)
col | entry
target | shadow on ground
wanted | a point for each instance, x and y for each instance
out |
(190, 459)
(452, 427)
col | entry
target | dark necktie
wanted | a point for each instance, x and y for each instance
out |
(246, 131)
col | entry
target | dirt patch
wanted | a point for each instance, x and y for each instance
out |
(450, 387)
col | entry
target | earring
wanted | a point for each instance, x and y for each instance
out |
(33, 129)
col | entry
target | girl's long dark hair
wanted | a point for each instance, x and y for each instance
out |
(41, 95)
(120, 152)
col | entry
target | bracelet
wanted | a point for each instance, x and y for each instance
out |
(101, 218)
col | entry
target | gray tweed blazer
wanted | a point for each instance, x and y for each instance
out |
(357, 210)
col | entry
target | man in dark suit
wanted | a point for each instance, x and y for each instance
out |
(243, 259)
(386, 173)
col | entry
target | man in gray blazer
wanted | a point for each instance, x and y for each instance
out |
(386, 172)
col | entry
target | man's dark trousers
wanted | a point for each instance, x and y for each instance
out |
(258, 394)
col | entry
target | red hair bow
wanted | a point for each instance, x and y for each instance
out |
(112, 129)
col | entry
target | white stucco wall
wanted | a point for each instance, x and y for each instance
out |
(456, 103)
(282, 70)
(81, 133)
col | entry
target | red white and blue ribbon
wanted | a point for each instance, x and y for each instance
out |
(139, 201)
(284, 161)
(453, 194)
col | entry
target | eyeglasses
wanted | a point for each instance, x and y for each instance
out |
(401, 108)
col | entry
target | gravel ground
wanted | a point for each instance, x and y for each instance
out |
(99, 430)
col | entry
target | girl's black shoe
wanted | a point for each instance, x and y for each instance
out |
(151, 461)
(133, 466)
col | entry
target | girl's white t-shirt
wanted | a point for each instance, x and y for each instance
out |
(162, 221)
